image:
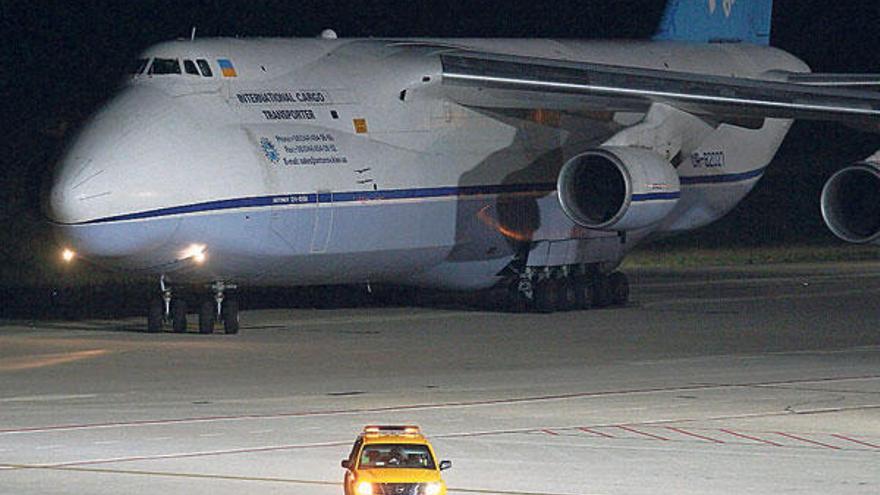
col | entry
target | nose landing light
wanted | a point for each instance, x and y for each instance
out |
(195, 252)
(68, 255)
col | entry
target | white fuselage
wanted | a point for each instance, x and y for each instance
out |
(339, 161)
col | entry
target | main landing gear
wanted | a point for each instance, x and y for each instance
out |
(171, 309)
(579, 287)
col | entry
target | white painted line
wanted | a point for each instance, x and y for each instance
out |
(202, 453)
(47, 398)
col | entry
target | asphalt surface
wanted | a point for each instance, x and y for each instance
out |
(722, 381)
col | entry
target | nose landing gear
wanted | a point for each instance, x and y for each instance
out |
(222, 308)
(170, 309)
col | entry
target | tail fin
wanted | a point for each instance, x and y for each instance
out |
(705, 21)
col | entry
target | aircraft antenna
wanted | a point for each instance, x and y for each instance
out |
(192, 35)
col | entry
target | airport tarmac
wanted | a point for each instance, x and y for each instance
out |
(714, 381)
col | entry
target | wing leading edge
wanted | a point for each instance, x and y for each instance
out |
(503, 81)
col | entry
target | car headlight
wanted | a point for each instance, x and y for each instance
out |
(433, 488)
(364, 488)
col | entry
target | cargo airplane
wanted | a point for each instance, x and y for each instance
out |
(466, 164)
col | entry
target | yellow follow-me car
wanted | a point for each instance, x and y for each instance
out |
(393, 460)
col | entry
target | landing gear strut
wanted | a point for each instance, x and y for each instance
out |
(166, 310)
(222, 308)
(171, 309)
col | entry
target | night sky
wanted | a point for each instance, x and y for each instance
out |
(60, 59)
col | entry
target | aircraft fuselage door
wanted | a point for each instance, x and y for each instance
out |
(323, 225)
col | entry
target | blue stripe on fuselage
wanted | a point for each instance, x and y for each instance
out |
(398, 194)
(722, 178)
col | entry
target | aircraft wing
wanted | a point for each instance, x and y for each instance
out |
(491, 80)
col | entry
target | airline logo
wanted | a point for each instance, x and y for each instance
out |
(270, 150)
(726, 5)
(226, 68)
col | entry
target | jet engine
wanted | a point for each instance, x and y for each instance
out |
(851, 203)
(618, 188)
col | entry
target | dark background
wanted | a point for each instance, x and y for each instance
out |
(60, 60)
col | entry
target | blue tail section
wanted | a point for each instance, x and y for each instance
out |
(726, 21)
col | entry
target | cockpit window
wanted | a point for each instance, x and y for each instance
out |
(138, 66)
(190, 67)
(206, 69)
(165, 66)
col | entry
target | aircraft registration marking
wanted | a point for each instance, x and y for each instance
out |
(708, 159)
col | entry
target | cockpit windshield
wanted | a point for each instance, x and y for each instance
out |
(170, 66)
(165, 66)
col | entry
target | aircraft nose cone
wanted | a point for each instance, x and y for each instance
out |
(70, 194)
(112, 166)
(89, 172)
(117, 166)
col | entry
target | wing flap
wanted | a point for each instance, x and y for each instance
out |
(494, 80)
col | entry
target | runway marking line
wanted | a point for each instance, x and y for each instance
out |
(860, 442)
(174, 475)
(695, 435)
(595, 432)
(183, 455)
(807, 440)
(550, 432)
(749, 437)
(643, 433)
(424, 406)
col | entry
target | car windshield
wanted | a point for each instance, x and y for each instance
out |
(413, 456)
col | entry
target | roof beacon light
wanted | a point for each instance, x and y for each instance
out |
(392, 430)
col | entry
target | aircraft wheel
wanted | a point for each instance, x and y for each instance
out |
(568, 295)
(207, 317)
(230, 316)
(618, 288)
(155, 315)
(547, 294)
(601, 292)
(178, 316)
(584, 292)
(515, 300)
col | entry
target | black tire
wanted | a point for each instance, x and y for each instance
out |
(584, 291)
(515, 301)
(618, 288)
(178, 316)
(601, 291)
(230, 316)
(155, 315)
(568, 295)
(547, 294)
(207, 317)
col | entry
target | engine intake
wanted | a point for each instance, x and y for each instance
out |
(851, 203)
(618, 188)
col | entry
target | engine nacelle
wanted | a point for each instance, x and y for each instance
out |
(618, 188)
(851, 203)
